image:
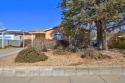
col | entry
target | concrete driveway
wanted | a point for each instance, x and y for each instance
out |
(9, 52)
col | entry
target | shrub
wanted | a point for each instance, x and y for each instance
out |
(94, 54)
(59, 52)
(9, 46)
(120, 44)
(91, 53)
(44, 48)
(42, 44)
(30, 55)
(62, 43)
(72, 49)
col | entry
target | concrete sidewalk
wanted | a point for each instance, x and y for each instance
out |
(9, 52)
(61, 70)
(71, 79)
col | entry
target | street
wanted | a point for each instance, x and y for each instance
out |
(71, 79)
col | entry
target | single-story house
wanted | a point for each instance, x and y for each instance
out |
(45, 34)
(11, 38)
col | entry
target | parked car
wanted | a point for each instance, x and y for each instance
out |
(94, 43)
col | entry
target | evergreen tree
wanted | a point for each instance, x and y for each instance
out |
(77, 13)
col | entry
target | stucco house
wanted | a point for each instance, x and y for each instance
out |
(45, 34)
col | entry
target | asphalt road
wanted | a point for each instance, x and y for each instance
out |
(72, 79)
(9, 52)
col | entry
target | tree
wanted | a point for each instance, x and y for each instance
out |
(78, 13)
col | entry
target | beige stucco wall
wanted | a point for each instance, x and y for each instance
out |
(28, 37)
(34, 36)
(49, 34)
(37, 36)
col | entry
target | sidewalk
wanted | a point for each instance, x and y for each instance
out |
(72, 79)
(61, 70)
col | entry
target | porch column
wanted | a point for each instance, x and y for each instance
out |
(32, 40)
(23, 40)
(3, 40)
(20, 41)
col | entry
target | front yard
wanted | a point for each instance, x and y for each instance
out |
(70, 59)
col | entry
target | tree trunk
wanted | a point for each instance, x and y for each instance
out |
(101, 32)
(101, 36)
(99, 46)
(105, 43)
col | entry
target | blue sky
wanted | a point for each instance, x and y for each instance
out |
(29, 14)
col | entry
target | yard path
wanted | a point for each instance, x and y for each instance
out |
(9, 52)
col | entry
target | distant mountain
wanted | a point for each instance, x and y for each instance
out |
(2, 28)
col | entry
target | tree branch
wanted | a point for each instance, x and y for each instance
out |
(120, 23)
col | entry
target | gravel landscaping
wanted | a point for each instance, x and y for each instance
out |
(70, 59)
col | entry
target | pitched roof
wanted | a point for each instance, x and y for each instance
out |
(35, 31)
(53, 28)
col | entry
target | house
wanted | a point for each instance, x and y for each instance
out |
(56, 33)
(11, 38)
(45, 34)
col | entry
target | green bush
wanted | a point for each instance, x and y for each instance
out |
(120, 44)
(30, 55)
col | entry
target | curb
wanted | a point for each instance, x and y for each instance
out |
(61, 70)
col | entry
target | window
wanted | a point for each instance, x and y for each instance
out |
(57, 36)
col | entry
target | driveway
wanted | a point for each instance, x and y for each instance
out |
(9, 52)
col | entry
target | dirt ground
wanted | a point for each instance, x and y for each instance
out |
(70, 59)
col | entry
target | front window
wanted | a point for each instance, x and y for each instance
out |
(57, 36)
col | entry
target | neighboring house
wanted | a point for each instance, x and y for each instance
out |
(121, 34)
(11, 38)
(116, 34)
(112, 34)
